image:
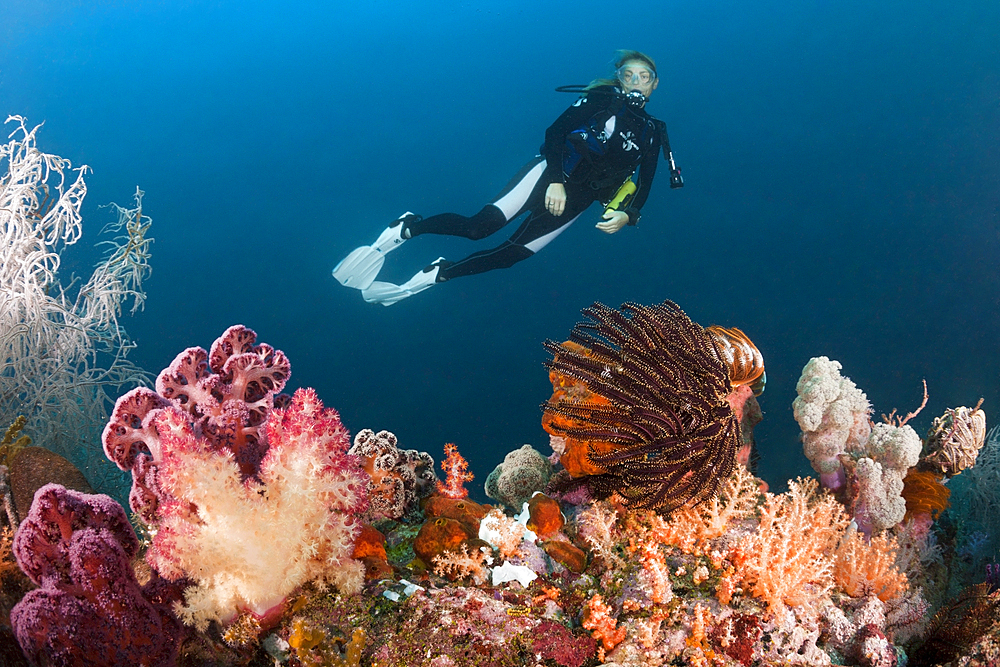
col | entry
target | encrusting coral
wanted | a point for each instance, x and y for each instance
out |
(523, 472)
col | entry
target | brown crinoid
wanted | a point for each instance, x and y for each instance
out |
(668, 434)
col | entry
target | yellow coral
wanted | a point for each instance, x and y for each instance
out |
(314, 646)
(11, 442)
(243, 631)
(7, 562)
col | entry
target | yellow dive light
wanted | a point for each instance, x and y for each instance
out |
(622, 197)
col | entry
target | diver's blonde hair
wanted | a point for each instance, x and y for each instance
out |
(623, 56)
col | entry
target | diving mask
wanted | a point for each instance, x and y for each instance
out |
(635, 75)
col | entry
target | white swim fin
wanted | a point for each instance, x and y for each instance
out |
(388, 294)
(360, 268)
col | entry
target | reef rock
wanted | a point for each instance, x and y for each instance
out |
(33, 468)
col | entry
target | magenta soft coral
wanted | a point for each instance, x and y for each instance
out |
(89, 608)
(248, 500)
(227, 392)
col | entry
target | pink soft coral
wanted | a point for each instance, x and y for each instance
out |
(227, 394)
(246, 544)
(247, 501)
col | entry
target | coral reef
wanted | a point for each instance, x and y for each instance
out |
(256, 505)
(63, 350)
(673, 436)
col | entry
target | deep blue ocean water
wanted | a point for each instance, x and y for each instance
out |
(842, 163)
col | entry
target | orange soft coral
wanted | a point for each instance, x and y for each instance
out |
(655, 573)
(461, 564)
(602, 625)
(456, 470)
(865, 568)
(690, 527)
(789, 561)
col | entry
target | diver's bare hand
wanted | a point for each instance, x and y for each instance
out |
(615, 221)
(555, 199)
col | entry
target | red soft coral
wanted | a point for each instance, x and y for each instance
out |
(457, 474)
(554, 641)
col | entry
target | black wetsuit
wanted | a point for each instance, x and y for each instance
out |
(591, 148)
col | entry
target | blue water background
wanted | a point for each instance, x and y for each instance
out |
(842, 193)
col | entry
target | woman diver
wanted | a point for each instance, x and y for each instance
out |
(603, 148)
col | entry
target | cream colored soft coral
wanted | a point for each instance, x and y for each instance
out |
(246, 545)
(833, 415)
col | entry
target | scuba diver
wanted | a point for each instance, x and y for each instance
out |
(603, 148)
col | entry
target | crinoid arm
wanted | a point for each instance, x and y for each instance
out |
(664, 384)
